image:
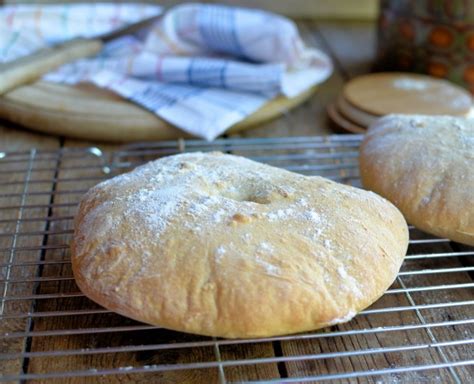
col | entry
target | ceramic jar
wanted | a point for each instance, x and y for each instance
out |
(435, 37)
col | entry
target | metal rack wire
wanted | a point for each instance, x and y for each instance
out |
(421, 330)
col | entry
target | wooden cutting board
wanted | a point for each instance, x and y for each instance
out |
(358, 116)
(87, 112)
(394, 92)
(341, 122)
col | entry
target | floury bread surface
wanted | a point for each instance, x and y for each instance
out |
(220, 245)
(425, 166)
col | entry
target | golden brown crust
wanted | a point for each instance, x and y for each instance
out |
(220, 245)
(425, 166)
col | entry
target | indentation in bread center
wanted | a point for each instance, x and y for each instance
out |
(247, 196)
(220, 245)
(258, 193)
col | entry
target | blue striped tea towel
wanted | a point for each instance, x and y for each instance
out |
(202, 68)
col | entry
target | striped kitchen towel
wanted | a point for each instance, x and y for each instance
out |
(201, 67)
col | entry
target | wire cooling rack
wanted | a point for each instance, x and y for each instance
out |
(421, 330)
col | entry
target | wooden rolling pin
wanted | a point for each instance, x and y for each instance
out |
(30, 68)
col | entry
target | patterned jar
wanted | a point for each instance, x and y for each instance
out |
(435, 37)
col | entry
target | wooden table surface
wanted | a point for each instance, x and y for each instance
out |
(351, 46)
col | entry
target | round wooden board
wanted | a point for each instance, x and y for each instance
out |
(396, 92)
(359, 117)
(87, 112)
(341, 122)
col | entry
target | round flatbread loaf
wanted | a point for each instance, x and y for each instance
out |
(220, 245)
(425, 166)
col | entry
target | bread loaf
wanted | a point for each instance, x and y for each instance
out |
(425, 166)
(220, 245)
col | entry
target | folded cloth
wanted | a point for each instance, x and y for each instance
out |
(25, 28)
(200, 67)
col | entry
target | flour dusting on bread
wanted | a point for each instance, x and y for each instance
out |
(224, 246)
(425, 166)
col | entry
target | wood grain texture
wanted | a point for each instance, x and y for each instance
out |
(89, 113)
(14, 138)
(118, 360)
(353, 114)
(314, 9)
(351, 47)
(17, 177)
(398, 338)
(455, 332)
(27, 69)
(351, 44)
(391, 92)
(342, 122)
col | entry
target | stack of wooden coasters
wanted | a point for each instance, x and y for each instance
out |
(366, 98)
